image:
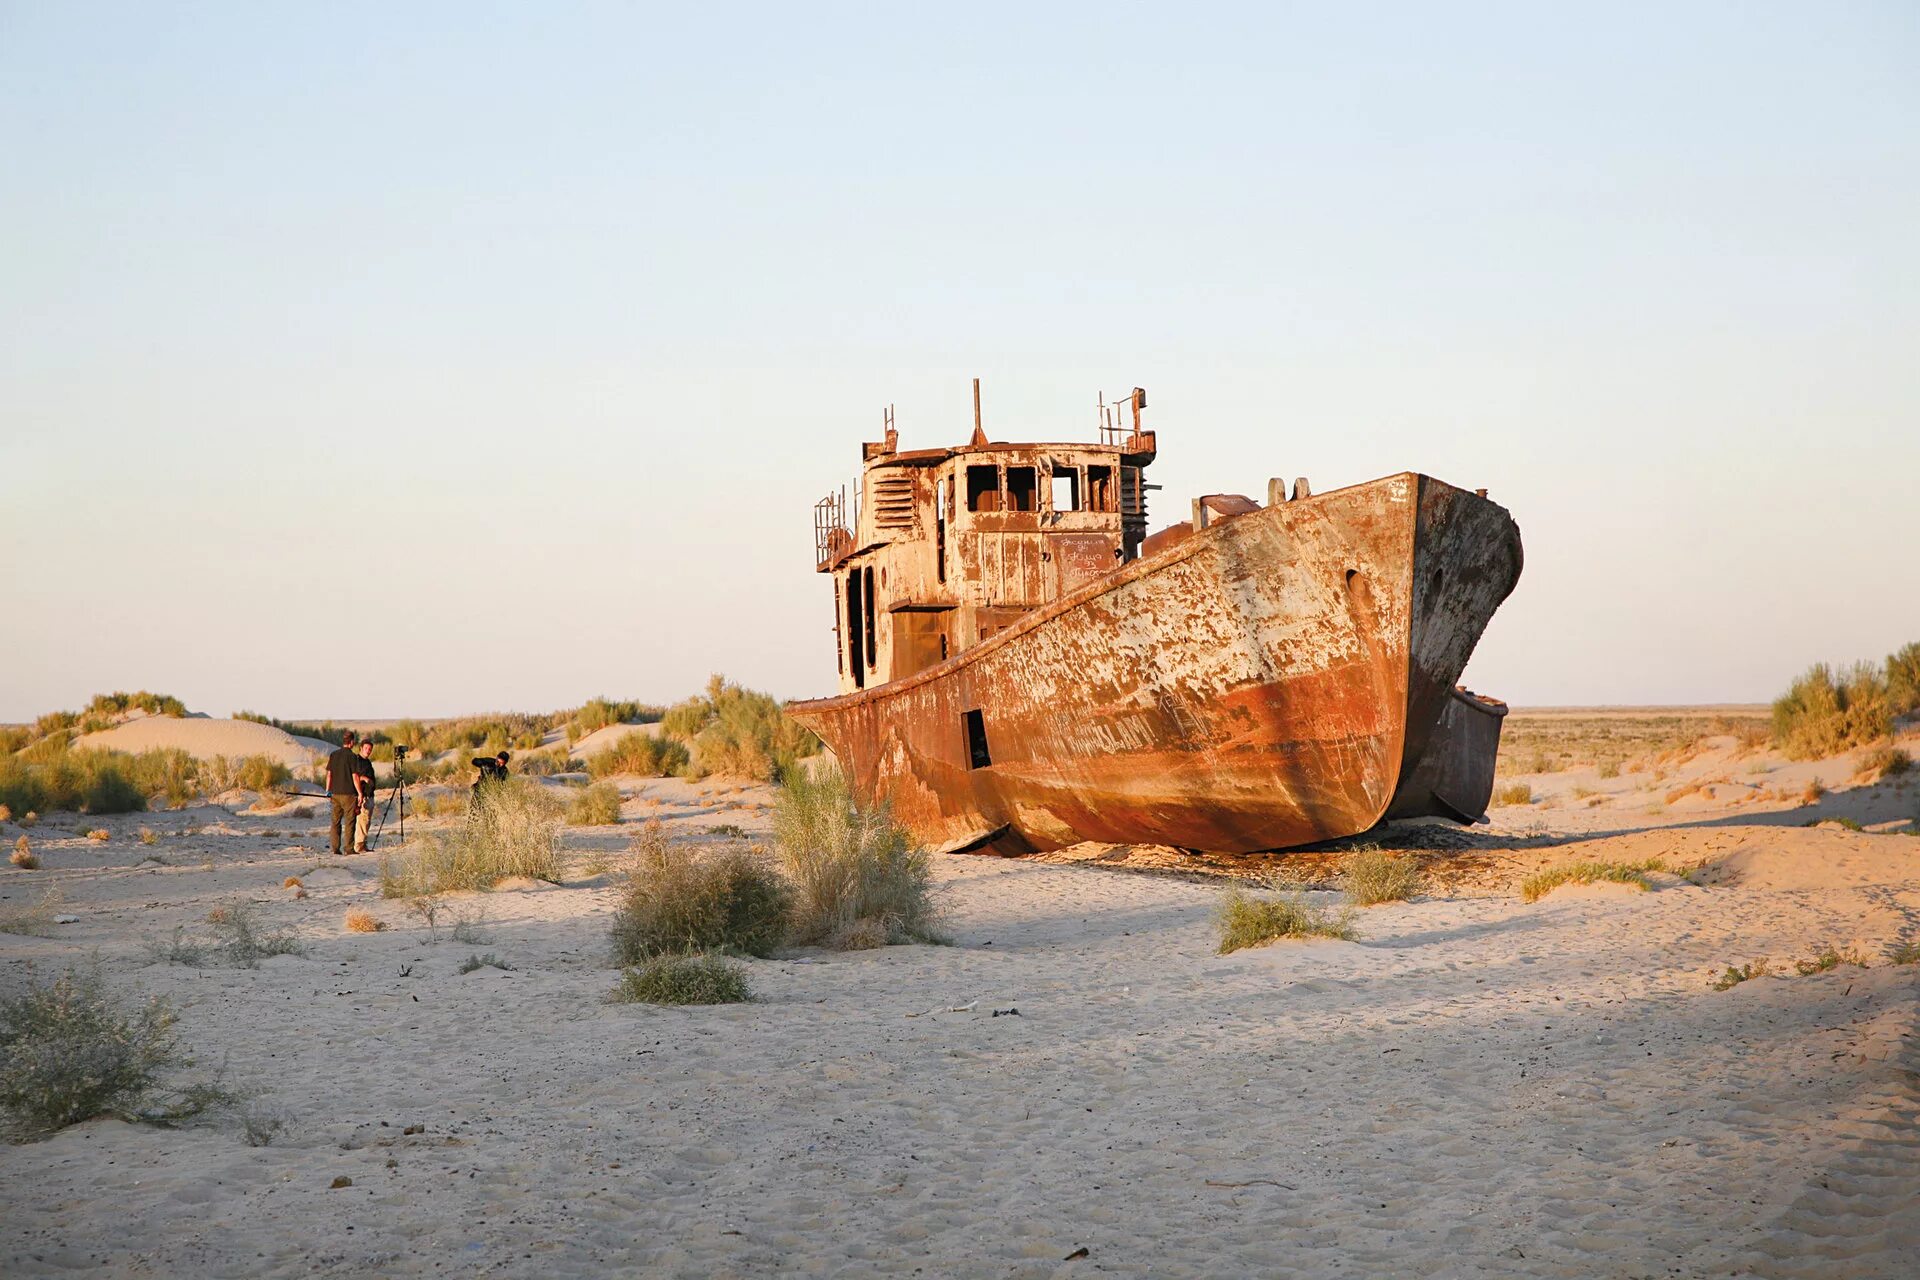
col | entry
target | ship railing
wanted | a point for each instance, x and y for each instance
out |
(832, 530)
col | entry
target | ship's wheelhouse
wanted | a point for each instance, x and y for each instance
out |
(939, 549)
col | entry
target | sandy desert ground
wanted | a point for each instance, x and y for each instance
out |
(1477, 1086)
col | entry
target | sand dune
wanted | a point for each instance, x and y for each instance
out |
(602, 739)
(205, 738)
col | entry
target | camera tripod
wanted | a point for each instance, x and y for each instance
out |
(400, 790)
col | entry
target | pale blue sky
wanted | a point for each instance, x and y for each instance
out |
(374, 359)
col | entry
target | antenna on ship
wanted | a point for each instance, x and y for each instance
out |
(979, 435)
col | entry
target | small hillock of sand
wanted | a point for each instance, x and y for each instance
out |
(604, 739)
(204, 738)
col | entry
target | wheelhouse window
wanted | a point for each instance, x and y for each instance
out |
(983, 488)
(1065, 487)
(1100, 495)
(1023, 489)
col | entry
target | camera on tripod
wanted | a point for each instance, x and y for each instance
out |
(400, 750)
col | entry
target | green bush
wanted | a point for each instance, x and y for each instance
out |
(70, 1050)
(681, 902)
(1903, 679)
(1375, 876)
(598, 713)
(681, 980)
(739, 733)
(1248, 921)
(853, 867)
(640, 755)
(1822, 714)
(263, 774)
(597, 806)
(512, 829)
(1541, 883)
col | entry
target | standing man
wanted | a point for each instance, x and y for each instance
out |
(343, 773)
(364, 778)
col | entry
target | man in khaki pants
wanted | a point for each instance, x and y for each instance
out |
(364, 780)
(343, 789)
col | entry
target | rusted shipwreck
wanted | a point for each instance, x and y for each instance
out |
(1023, 667)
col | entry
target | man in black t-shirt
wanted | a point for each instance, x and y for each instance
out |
(364, 764)
(343, 773)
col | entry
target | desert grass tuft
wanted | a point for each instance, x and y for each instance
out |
(1745, 973)
(511, 830)
(180, 948)
(1541, 883)
(1907, 952)
(486, 960)
(35, 921)
(850, 862)
(1512, 793)
(1248, 921)
(360, 920)
(684, 980)
(597, 806)
(147, 836)
(1885, 761)
(244, 941)
(1828, 958)
(678, 901)
(71, 1050)
(1375, 876)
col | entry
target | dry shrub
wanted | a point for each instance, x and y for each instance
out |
(1541, 883)
(1885, 761)
(360, 920)
(1249, 921)
(1822, 714)
(1608, 768)
(23, 856)
(291, 882)
(71, 1050)
(597, 806)
(681, 902)
(512, 829)
(1375, 876)
(35, 921)
(1903, 679)
(1814, 791)
(1512, 793)
(99, 835)
(683, 980)
(147, 836)
(6, 813)
(849, 863)
(245, 941)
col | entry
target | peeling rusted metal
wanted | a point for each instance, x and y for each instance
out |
(1272, 676)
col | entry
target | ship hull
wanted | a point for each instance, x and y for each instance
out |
(1268, 682)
